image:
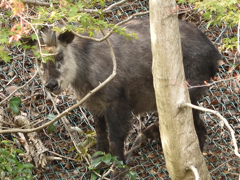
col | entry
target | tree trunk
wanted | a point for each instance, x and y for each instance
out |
(178, 135)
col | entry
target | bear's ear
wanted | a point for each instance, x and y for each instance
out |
(66, 37)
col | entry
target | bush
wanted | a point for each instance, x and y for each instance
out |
(10, 167)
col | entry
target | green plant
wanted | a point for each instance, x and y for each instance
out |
(87, 141)
(14, 104)
(52, 127)
(109, 161)
(83, 17)
(10, 167)
(218, 12)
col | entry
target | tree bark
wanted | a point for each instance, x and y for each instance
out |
(178, 135)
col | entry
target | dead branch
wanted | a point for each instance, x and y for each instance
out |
(108, 172)
(34, 147)
(107, 10)
(238, 36)
(4, 122)
(222, 118)
(36, 2)
(48, 158)
(60, 156)
(138, 141)
(1, 117)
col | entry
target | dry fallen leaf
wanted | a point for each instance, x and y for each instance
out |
(10, 89)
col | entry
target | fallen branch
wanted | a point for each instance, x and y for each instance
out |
(48, 158)
(35, 150)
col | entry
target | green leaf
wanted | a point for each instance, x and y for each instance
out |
(26, 171)
(96, 162)
(20, 167)
(5, 142)
(98, 153)
(3, 174)
(13, 160)
(93, 176)
(29, 176)
(51, 116)
(18, 151)
(8, 168)
(107, 159)
(132, 174)
(18, 178)
(51, 128)
(91, 133)
(2, 160)
(28, 165)
(91, 33)
(80, 131)
(7, 58)
(14, 104)
(4, 152)
(89, 156)
(72, 148)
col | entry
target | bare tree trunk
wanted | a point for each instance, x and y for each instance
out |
(179, 139)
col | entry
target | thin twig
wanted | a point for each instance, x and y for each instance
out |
(134, 146)
(131, 150)
(36, 2)
(108, 172)
(6, 123)
(198, 86)
(65, 157)
(223, 164)
(84, 115)
(10, 95)
(110, 32)
(38, 39)
(11, 80)
(220, 35)
(234, 141)
(68, 130)
(238, 34)
(195, 172)
(107, 10)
